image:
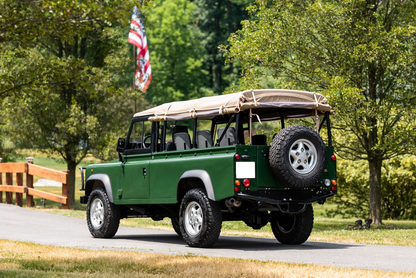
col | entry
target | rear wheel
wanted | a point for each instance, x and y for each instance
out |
(200, 219)
(293, 228)
(103, 217)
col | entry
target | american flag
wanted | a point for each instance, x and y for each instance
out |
(137, 37)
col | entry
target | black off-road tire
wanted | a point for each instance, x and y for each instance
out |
(200, 219)
(293, 229)
(103, 217)
(175, 225)
(297, 156)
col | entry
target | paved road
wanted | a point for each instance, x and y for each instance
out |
(27, 225)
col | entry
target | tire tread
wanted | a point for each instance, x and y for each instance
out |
(278, 160)
(111, 215)
(213, 217)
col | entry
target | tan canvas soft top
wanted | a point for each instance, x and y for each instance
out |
(208, 107)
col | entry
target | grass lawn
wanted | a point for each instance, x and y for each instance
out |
(18, 259)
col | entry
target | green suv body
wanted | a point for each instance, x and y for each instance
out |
(223, 158)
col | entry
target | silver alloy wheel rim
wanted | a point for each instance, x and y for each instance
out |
(302, 156)
(193, 219)
(97, 213)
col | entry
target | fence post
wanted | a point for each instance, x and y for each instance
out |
(65, 191)
(1, 182)
(9, 195)
(19, 196)
(29, 183)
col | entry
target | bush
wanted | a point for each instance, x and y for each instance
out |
(399, 188)
(7, 152)
(353, 190)
(398, 184)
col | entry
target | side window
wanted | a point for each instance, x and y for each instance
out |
(179, 136)
(229, 137)
(140, 136)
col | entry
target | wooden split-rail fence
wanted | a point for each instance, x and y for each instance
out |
(19, 188)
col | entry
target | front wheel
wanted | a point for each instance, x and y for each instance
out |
(103, 217)
(199, 219)
(293, 229)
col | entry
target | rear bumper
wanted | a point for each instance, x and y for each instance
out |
(285, 206)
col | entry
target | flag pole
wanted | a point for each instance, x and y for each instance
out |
(134, 76)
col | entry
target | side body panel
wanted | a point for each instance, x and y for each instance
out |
(134, 180)
(154, 179)
(107, 173)
(218, 163)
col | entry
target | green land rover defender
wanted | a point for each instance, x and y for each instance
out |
(254, 156)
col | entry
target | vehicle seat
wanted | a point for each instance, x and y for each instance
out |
(204, 139)
(259, 139)
(182, 141)
(229, 137)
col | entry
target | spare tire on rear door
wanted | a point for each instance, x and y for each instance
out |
(297, 156)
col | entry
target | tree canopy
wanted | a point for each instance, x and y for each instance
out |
(360, 53)
(217, 19)
(58, 78)
(176, 52)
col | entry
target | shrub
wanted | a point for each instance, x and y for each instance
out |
(398, 184)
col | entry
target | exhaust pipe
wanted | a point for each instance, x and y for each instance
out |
(233, 203)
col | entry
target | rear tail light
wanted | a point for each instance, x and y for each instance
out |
(333, 157)
(246, 183)
(334, 185)
(237, 156)
(237, 184)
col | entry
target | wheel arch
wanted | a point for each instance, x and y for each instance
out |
(195, 179)
(99, 180)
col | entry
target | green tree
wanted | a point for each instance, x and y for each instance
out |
(59, 81)
(175, 52)
(361, 53)
(217, 19)
(25, 24)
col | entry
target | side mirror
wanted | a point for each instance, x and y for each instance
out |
(121, 144)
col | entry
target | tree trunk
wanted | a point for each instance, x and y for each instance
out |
(217, 61)
(375, 190)
(71, 166)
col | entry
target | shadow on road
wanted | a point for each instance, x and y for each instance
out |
(239, 243)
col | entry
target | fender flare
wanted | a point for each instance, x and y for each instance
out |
(105, 179)
(204, 177)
